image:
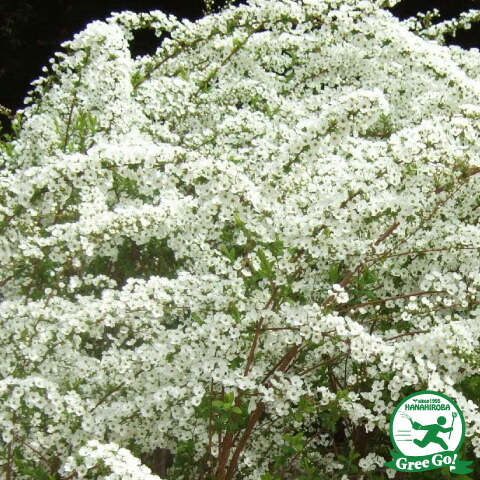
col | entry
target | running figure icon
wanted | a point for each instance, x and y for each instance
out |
(432, 432)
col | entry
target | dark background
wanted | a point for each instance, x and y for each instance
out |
(31, 31)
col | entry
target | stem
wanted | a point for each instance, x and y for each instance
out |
(254, 417)
(10, 451)
(224, 455)
(210, 431)
(407, 334)
(69, 123)
(465, 176)
(234, 50)
(48, 462)
(251, 354)
(396, 297)
(108, 394)
(69, 477)
(321, 364)
(427, 250)
(387, 233)
(9, 461)
(295, 457)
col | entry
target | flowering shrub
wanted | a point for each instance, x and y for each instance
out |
(244, 249)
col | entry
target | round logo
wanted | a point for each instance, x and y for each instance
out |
(426, 423)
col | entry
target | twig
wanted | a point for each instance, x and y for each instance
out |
(321, 364)
(396, 297)
(387, 233)
(403, 335)
(253, 347)
(254, 417)
(295, 457)
(426, 250)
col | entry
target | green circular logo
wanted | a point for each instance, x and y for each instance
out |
(427, 430)
(425, 423)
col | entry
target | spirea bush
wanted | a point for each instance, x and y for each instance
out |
(239, 253)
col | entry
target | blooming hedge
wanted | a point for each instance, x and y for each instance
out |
(240, 251)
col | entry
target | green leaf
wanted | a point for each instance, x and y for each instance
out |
(238, 221)
(234, 313)
(236, 362)
(237, 43)
(297, 446)
(333, 275)
(197, 318)
(229, 253)
(265, 265)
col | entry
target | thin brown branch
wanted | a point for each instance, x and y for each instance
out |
(276, 329)
(295, 457)
(473, 171)
(69, 123)
(6, 280)
(254, 417)
(108, 395)
(36, 452)
(69, 477)
(321, 364)
(426, 250)
(224, 455)
(253, 347)
(210, 430)
(407, 334)
(10, 451)
(9, 460)
(387, 233)
(234, 50)
(396, 297)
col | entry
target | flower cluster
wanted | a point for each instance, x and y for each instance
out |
(121, 463)
(242, 249)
